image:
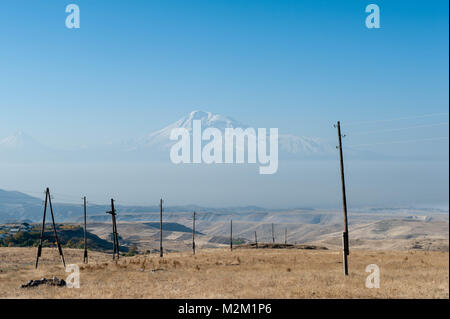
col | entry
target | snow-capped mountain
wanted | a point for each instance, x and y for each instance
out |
(289, 145)
(208, 119)
(156, 145)
(20, 147)
(18, 141)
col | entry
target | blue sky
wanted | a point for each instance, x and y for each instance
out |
(136, 66)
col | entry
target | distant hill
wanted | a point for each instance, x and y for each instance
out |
(226, 240)
(172, 227)
(16, 207)
(369, 227)
(70, 236)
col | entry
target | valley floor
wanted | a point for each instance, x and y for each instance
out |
(219, 273)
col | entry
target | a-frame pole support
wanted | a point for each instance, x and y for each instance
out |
(48, 200)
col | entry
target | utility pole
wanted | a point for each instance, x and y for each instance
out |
(344, 202)
(193, 233)
(160, 228)
(273, 235)
(39, 251)
(256, 240)
(231, 235)
(285, 236)
(115, 234)
(85, 255)
(115, 227)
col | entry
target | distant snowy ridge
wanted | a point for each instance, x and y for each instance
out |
(156, 145)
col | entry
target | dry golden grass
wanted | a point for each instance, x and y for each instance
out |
(219, 273)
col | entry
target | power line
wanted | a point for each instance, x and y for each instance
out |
(397, 119)
(402, 128)
(403, 141)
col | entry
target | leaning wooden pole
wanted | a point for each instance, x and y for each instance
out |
(344, 203)
(39, 250)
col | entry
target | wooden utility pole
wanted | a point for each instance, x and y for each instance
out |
(344, 202)
(115, 233)
(48, 199)
(285, 236)
(273, 235)
(256, 240)
(193, 233)
(160, 228)
(231, 235)
(85, 255)
(115, 227)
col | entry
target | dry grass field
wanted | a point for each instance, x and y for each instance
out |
(219, 273)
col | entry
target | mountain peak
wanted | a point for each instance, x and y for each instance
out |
(290, 145)
(18, 140)
(208, 119)
(198, 115)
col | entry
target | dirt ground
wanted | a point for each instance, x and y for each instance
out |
(219, 273)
